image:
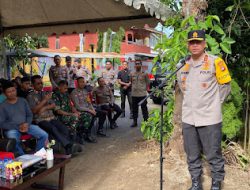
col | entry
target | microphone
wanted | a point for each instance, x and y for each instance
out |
(182, 62)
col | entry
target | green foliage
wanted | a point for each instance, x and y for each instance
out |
(21, 45)
(115, 38)
(232, 110)
(234, 17)
(151, 128)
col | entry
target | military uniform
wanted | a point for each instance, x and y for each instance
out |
(109, 78)
(105, 100)
(139, 81)
(205, 85)
(62, 102)
(56, 74)
(83, 103)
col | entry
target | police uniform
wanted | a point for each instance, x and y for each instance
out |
(105, 101)
(83, 72)
(109, 78)
(71, 78)
(83, 103)
(205, 85)
(139, 82)
(56, 74)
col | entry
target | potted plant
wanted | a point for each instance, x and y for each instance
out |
(49, 151)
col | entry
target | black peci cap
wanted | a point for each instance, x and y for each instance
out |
(196, 35)
(68, 58)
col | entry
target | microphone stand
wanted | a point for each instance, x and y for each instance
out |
(161, 87)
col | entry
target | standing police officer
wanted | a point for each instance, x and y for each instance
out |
(109, 75)
(140, 82)
(57, 73)
(125, 88)
(205, 83)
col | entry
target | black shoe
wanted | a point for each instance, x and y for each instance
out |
(196, 184)
(113, 125)
(134, 125)
(79, 148)
(100, 133)
(122, 115)
(72, 149)
(216, 185)
(75, 148)
(90, 139)
(68, 149)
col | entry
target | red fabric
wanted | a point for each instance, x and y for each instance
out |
(6, 155)
(25, 137)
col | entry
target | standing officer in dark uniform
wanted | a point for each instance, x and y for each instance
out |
(125, 88)
(205, 83)
(140, 82)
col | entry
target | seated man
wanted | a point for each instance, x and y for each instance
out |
(16, 118)
(68, 114)
(104, 98)
(82, 102)
(42, 106)
(25, 88)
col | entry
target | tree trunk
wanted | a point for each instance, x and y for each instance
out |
(246, 122)
(196, 8)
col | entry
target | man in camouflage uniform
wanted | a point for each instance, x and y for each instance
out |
(57, 72)
(71, 72)
(139, 82)
(205, 83)
(83, 103)
(109, 75)
(68, 114)
(104, 98)
(42, 107)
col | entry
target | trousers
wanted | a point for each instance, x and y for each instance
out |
(57, 129)
(124, 94)
(135, 107)
(204, 140)
(35, 131)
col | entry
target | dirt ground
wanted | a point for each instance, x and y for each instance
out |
(123, 161)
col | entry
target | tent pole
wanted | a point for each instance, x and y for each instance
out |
(3, 63)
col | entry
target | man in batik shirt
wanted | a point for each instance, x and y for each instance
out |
(68, 114)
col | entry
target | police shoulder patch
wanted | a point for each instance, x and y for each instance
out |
(222, 73)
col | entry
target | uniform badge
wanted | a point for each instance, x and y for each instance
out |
(186, 67)
(221, 65)
(206, 66)
(195, 35)
(204, 85)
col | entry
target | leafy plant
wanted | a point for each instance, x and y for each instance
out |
(232, 109)
(20, 45)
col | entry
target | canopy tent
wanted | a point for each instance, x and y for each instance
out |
(67, 16)
(46, 52)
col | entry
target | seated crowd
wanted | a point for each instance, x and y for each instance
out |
(66, 117)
